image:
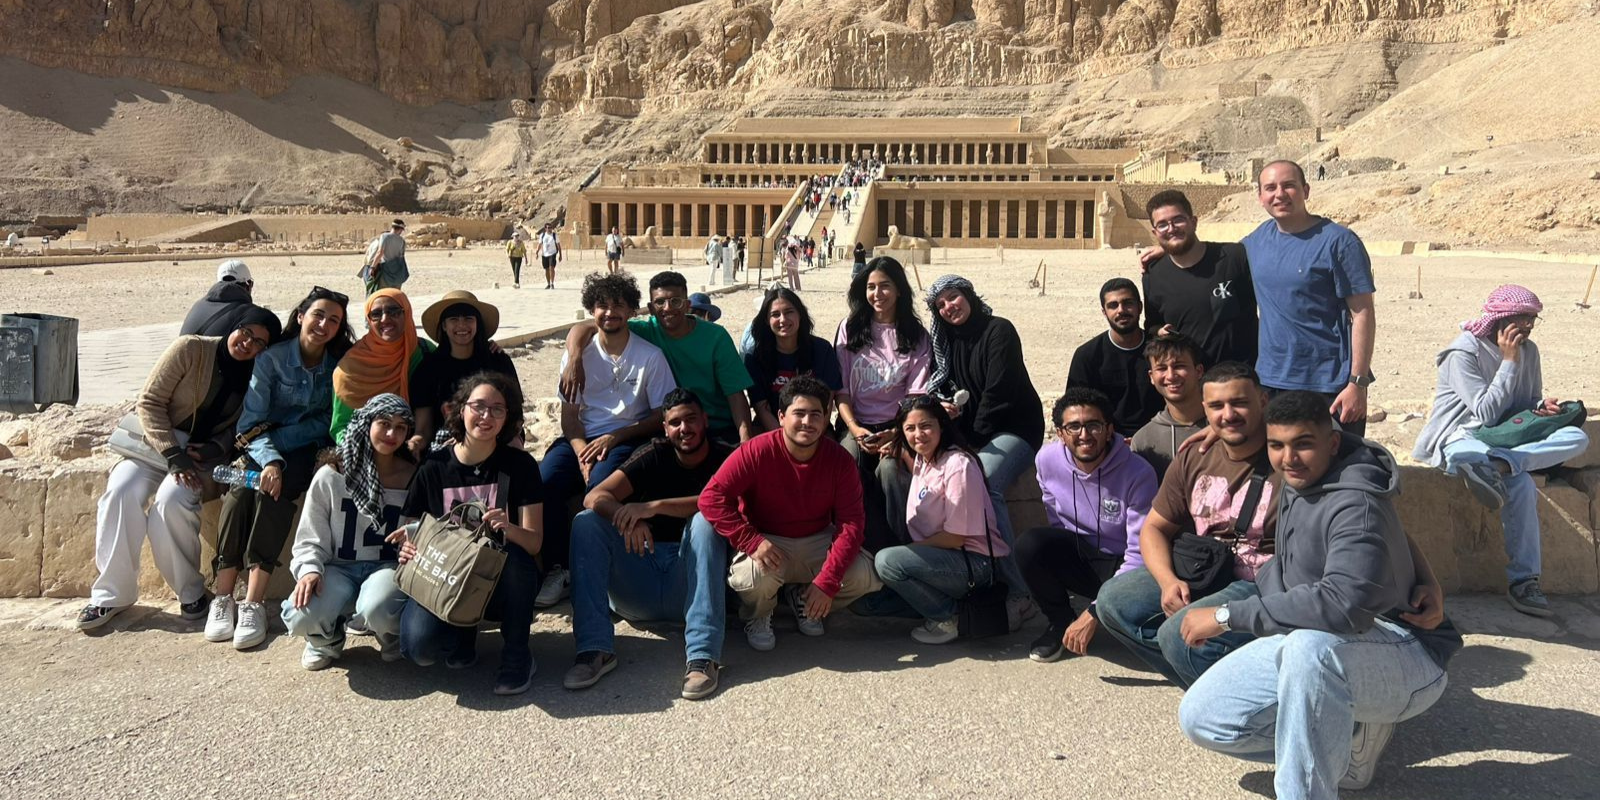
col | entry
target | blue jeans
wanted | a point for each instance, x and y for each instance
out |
(1295, 698)
(1519, 517)
(675, 581)
(1129, 607)
(930, 579)
(562, 479)
(348, 587)
(424, 638)
(1003, 459)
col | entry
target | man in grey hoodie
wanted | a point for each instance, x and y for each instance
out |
(1489, 374)
(1344, 651)
(1176, 366)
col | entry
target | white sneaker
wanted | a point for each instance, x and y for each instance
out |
(794, 599)
(252, 627)
(219, 622)
(1365, 746)
(758, 632)
(1020, 610)
(313, 659)
(557, 586)
(931, 632)
(516, 286)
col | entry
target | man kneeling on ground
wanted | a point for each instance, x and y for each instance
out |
(1341, 658)
(636, 550)
(789, 501)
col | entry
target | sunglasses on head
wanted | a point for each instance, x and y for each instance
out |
(322, 293)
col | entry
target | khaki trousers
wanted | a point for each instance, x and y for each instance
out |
(802, 559)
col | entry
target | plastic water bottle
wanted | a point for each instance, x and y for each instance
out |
(234, 476)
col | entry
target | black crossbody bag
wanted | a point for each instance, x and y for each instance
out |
(1206, 562)
(982, 613)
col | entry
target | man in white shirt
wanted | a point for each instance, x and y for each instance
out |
(714, 250)
(619, 407)
(385, 267)
(613, 251)
(549, 254)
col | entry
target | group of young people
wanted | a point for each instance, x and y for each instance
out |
(1209, 499)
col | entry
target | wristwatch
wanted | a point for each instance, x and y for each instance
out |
(1222, 617)
(1363, 381)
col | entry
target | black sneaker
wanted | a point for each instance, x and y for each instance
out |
(196, 609)
(515, 678)
(93, 616)
(1047, 647)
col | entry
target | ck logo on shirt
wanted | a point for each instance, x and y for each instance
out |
(1221, 291)
(1111, 509)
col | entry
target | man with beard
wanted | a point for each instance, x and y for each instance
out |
(1199, 289)
(1223, 494)
(789, 501)
(642, 550)
(1114, 361)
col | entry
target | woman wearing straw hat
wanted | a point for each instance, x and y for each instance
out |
(462, 325)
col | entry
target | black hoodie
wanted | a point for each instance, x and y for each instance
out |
(219, 312)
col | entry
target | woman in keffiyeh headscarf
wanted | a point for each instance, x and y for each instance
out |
(1488, 375)
(979, 373)
(343, 567)
(381, 361)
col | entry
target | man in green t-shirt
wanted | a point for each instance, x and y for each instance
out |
(701, 354)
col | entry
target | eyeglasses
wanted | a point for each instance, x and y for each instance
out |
(1092, 428)
(321, 293)
(1171, 224)
(254, 341)
(484, 409)
(377, 314)
(674, 303)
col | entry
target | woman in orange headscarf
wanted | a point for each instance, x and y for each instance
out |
(380, 362)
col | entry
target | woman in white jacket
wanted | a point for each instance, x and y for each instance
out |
(341, 563)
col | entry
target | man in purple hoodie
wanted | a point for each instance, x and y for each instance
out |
(1096, 495)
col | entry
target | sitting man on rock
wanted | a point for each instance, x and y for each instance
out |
(789, 501)
(1342, 655)
(636, 551)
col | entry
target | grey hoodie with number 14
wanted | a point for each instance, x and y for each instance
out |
(1342, 558)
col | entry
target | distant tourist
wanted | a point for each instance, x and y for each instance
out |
(859, 257)
(11, 240)
(516, 250)
(187, 411)
(1114, 363)
(549, 254)
(1202, 290)
(228, 300)
(385, 267)
(1489, 374)
(1313, 282)
(613, 250)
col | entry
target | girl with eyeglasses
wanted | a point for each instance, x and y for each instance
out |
(951, 523)
(286, 414)
(342, 564)
(187, 412)
(882, 350)
(486, 414)
(382, 361)
(784, 349)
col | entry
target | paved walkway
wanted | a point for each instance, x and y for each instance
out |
(146, 709)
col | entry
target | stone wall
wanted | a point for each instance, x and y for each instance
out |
(1204, 197)
(47, 533)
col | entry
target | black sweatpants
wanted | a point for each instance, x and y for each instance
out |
(1057, 564)
(253, 526)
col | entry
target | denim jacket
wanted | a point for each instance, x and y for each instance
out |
(296, 399)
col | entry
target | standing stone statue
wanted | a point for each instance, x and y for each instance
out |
(1106, 211)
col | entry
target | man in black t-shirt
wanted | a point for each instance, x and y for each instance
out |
(642, 549)
(1114, 361)
(1199, 289)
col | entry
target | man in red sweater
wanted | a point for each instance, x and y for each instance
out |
(789, 501)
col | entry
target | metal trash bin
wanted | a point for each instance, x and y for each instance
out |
(38, 361)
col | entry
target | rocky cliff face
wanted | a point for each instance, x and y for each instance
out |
(620, 56)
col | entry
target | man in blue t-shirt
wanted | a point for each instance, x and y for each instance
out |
(1313, 283)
